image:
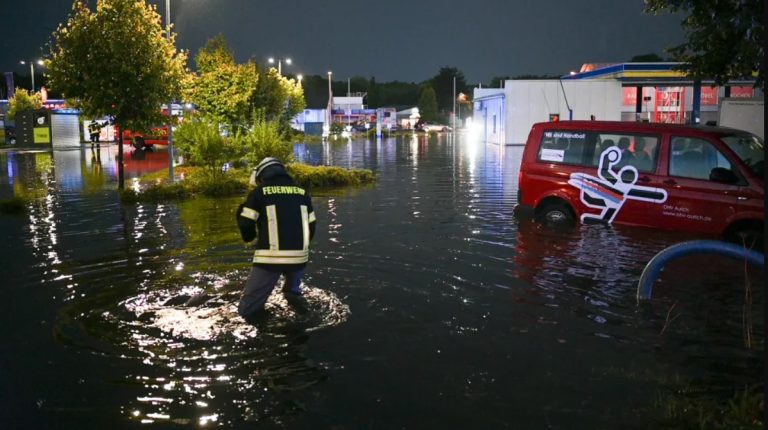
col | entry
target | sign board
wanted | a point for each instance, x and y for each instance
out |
(42, 135)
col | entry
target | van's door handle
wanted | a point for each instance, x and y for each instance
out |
(644, 179)
(670, 182)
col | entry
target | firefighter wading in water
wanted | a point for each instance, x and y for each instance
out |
(279, 215)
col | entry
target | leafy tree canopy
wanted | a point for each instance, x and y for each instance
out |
(428, 104)
(442, 83)
(724, 38)
(117, 61)
(231, 92)
(213, 54)
(22, 100)
(224, 92)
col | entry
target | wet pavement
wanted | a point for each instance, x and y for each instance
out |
(427, 304)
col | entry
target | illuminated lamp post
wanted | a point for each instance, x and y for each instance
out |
(170, 103)
(279, 64)
(32, 70)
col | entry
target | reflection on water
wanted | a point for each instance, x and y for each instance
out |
(423, 293)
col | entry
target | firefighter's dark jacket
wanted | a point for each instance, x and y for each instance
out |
(278, 213)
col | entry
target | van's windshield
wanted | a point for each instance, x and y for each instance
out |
(749, 148)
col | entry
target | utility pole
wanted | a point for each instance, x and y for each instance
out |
(170, 103)
(454, 103)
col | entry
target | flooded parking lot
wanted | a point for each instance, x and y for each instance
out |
(428, 305)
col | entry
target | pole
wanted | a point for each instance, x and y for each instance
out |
(280, 67)
(32, 72)
(329, 114)
(349, 94)
(454, 103)
(170, 103)
(120, 164)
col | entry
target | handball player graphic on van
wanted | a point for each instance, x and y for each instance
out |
(691, 178)
(611, 189)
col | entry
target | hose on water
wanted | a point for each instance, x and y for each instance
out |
(653, 268)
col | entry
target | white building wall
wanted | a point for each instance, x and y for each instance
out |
(348, 103)
(522, 103)
(489, 117)
(529, 102)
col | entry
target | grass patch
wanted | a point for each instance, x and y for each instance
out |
(744, 411)
(328, 176)
(14, 205)
(193, 181)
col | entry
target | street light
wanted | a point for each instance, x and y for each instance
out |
(328, 115)
(32, 70)
(279, 64)
(170, 103)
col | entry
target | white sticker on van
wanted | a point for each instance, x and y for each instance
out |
(611, 189)
(552, 154)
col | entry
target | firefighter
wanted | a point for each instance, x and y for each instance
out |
(278, 214)
(94, 129)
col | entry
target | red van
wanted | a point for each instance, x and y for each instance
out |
(156, 136)
(668, 176)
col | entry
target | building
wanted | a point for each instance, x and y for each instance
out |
(653, 92)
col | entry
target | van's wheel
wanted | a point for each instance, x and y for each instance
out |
(557, 213)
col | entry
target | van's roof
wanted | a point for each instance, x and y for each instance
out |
(633, 125)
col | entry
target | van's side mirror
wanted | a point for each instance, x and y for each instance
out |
(723, 175)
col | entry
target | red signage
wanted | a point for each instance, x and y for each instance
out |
(630, 95)
(709, 96)
(741, 92)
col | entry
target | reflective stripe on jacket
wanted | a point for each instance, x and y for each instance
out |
(279, 215)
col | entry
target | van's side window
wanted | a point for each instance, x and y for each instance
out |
(584, 148)
(567, 147)
(640, 151)
(695, 158)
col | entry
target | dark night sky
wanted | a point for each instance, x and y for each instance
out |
(407, 40)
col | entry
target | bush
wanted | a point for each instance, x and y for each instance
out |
(201, 140)
(264, 139)
(22, 100)
(328, 176)
(235, 182)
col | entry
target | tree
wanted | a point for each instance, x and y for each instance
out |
(428, 104)
(724, 38)
(498, 81)
(373, 94)
(443, 86)
(116, 61)
(22, 100)
(223, 89)
(278, 97)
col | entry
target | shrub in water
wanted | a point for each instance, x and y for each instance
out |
(264, 139)
(201, 140)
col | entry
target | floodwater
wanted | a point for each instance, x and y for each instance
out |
(427, 305)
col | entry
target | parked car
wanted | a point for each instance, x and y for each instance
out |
(10, 135)
(157, 135)
(695, 178)
(432, 126)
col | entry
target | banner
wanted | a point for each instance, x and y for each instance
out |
(709, 96)
(630, 95)
(9, 84)
(742, 92)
